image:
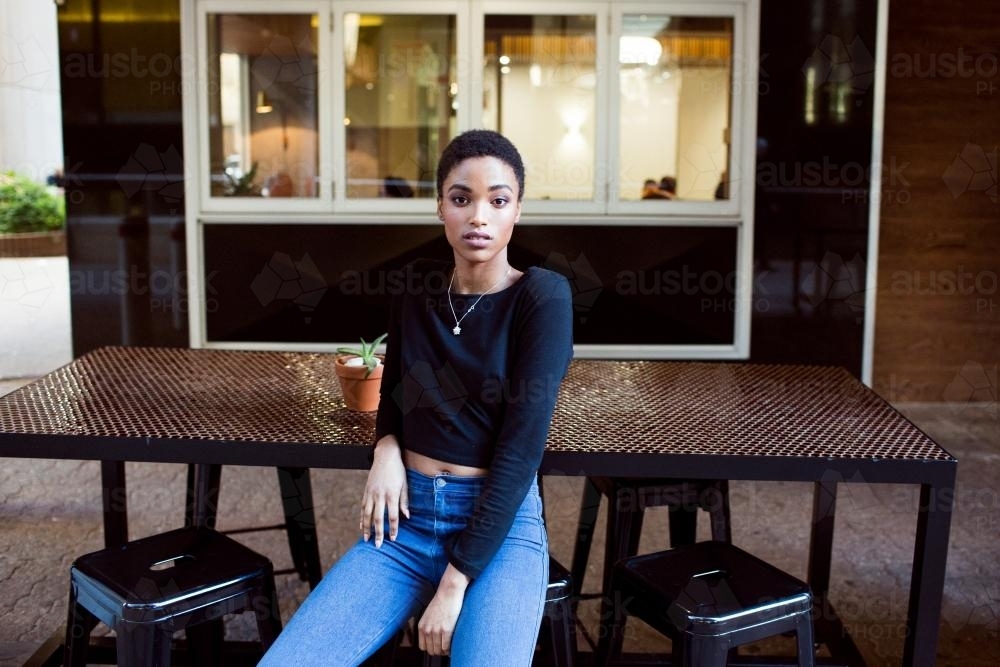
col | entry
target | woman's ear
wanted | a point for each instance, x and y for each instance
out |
(517, 216)
(440, 212)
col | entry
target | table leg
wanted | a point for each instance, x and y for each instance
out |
(927, 581)
(821, 537)
(114, 500)
(203, 481)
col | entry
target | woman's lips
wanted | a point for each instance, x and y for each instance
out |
(477, 239)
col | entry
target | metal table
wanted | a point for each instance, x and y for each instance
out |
(613, 418)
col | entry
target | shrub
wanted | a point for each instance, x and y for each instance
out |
(26, 206)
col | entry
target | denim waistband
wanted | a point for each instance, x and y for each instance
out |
(458, 484)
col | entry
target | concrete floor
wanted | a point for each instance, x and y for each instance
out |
(50, 512)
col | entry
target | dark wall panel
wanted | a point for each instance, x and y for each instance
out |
(121, 90)
(813, 151)
(319, 283)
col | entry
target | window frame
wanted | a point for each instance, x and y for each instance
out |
(383, 205)
(331, 206)
(202, 172)
(730, 208)
(597, 8)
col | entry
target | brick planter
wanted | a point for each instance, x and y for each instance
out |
(33, 244)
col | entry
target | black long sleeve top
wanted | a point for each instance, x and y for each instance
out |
(483, 398)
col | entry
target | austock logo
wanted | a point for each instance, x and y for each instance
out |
(970, 611)
(297, 281)
(973, 170)
(27, 284)
(284, 62)
(439, 389)
(149, 169)
(23, 64)
(834, 62)
(584, 282)
(974, 383)
(835, 279)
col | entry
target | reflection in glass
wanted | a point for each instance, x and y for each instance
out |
(263, 105)
(675, 81)
(539, 78)
(401, 93)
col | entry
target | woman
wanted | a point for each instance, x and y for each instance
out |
(474, 358)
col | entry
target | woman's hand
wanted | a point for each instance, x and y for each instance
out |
(437, 625)
(385, 488)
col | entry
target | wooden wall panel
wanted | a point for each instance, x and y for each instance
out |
(938, 306)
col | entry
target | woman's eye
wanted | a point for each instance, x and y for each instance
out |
(499, 201)
(460, 201)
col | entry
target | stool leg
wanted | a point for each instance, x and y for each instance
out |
(612, 636)
(205, 642)
(804, 639)
(142, 644)
(706, 652)
(267, 612)
(683, 525)
(79, 623)
(622, 541)
(300, 523)
(203, 481)
(590, 504)
(562, 633)
(718, 512)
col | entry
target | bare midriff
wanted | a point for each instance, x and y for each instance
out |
(431, 466)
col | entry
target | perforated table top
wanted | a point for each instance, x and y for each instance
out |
(604, 406)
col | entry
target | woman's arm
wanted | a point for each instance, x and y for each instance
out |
(437, 625)
(542, 343)
(386, 485)
(385, 489)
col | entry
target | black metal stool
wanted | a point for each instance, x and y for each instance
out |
(708, 598)
(150, 588)
(558, 639)
(628, 499)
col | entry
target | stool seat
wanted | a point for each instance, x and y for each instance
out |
(709, 597)
(628, 499)
(147, 589)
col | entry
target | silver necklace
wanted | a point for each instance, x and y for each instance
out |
(458, 320)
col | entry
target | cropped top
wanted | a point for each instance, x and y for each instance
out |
(483, 398)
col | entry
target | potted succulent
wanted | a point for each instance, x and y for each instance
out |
(360, 373)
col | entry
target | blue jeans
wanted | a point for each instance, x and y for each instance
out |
(370, 594)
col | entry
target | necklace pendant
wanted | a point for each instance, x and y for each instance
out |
(457, 330)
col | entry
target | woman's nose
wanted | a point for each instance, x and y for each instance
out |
(480, 213)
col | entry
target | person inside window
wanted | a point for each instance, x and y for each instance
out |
(451, 516)
(395, 186)
(668, 185)
(651, 190)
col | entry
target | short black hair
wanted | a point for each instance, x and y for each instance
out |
(480, 143)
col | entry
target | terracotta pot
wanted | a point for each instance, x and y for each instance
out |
(360, 393)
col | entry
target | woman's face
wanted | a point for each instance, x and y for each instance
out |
(479, 207)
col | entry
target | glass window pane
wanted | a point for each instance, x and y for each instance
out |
(675, 79)
(263, 105)
(401, 104)
(539, 89)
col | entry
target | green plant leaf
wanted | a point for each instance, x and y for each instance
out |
(366, 352)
